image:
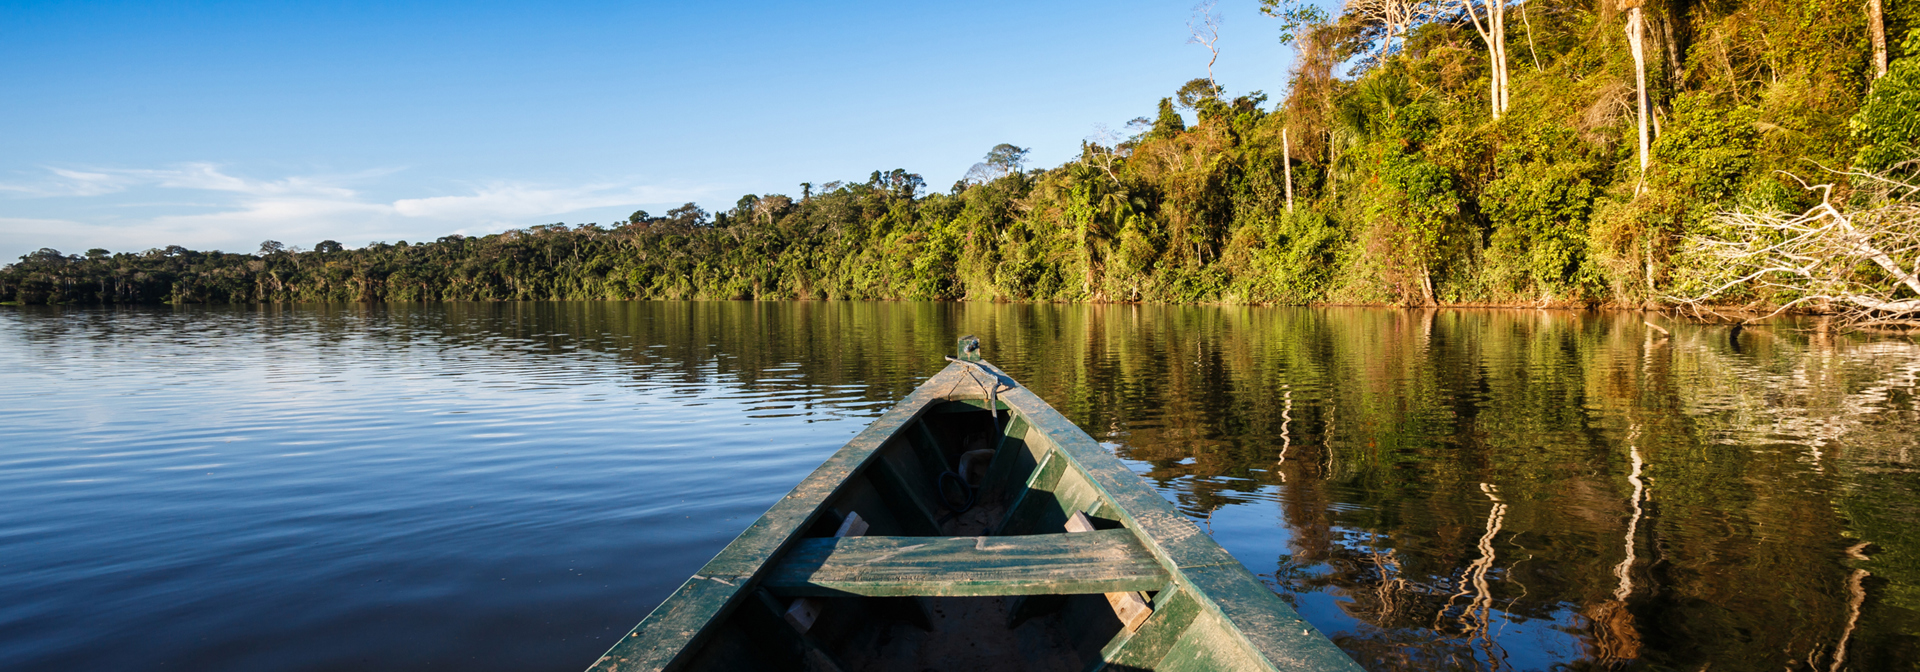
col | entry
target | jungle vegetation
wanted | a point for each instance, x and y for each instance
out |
(1427, 151)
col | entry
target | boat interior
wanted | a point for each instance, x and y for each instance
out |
(965, 543)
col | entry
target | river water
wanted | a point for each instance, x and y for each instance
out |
(513, 486)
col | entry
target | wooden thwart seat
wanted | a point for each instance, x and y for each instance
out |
(1104, 561)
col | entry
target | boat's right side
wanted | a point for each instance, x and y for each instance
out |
(1212, 615)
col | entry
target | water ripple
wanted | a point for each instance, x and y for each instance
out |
(510, 486)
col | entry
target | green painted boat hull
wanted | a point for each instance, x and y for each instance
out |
(998, 585)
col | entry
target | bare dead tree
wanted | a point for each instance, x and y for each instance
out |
(1104, 150)
(1301, 23)
(1205, 28)
(766, 209)
(1535, 51)
(1396, 17)
(1860, 263)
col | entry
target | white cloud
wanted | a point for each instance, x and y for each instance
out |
(192, 176)
(64, 182)
(207, 177)
(234, 212)
(79, 183)
(519, 200)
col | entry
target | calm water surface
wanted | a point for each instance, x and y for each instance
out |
(512, 486)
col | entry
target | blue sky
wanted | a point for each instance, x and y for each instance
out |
(218, 125)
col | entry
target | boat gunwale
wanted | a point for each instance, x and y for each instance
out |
(724, 581)
(1256, 617)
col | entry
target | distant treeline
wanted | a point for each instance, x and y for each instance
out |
(1425, 175)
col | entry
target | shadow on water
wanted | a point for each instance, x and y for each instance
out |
(507, 486)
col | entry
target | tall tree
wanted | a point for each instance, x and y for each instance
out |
(1195, 94)
(1636, 42)
(1205, 29)
(1286, 158)
(1877, 28)
(1003, 160)
(1298, 20)
(1493, 33)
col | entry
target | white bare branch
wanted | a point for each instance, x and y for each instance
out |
(1493, 33)
(1860, 262)
(1396, 17)
(1205, 28)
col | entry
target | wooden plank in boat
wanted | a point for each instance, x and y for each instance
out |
(968, 405)
(669, 636)
(1173, 612)
(1104, 561)
(1129, 606)
(804, 611)
(1242, 608)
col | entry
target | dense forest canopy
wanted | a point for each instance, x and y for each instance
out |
(1450, 151)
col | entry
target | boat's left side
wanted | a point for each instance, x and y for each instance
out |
(719, 620)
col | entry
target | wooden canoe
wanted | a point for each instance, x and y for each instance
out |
(1065, 560)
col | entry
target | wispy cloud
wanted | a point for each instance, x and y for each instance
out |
(234, 212)
(194, 176)
(64, 182)
(520, 200)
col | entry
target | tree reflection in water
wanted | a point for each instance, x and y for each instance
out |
(1520, 489)
(1442, 489)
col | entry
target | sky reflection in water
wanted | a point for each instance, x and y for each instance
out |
(510, 486)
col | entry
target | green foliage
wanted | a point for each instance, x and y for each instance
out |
(1167, 123)
(1198, 92)
(1297, 17)
(1404, 189)
(1537, 208)
(1709, 148)
(1888, 124)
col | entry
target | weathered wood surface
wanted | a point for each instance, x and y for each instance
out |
(1034, 501)
(1233, 621)
(1043, 564)
(670, 635)
(667, 633)
(1127, 605)
(781, 647)
(804, 611)
(1250, 613)
(1173, 612)
(1006, 458)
